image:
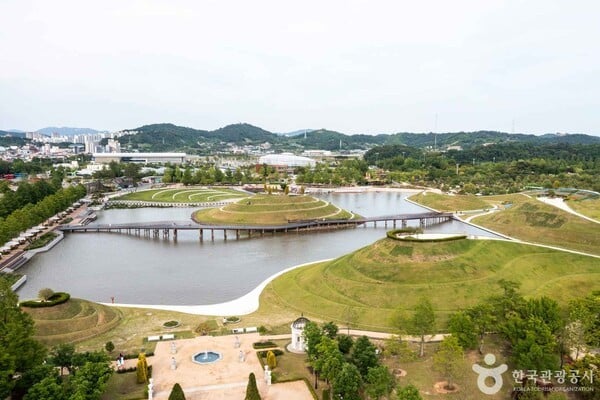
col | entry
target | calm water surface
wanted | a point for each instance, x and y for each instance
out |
(139, 270)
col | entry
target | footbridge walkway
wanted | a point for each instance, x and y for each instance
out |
(167, 229)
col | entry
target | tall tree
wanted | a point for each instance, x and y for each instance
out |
(422, 322)
(364, 356)
(20, 352)
(347, 383)
(380, 382)
(462, 327)
(448, 360)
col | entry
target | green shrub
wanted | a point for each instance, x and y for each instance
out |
(263, 353)
(55, 299)
(263, 345)
(252, 389)
(271, 360)
(177, 393)
(326, 394)
(109, 346)
(142, 369)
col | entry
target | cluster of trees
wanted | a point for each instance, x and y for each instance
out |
(208, 175)
(33, 214)
(496, 169)
(350, 368)
(28, 372)
(347, 172)
(115, 170)
(36, 166)
(539, 334)
(26, 193)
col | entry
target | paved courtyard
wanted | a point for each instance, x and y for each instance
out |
(225, 379)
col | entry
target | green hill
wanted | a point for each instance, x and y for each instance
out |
(271, 210)
(388, 275)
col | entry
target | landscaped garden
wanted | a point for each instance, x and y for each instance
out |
(184, 195)
(272, 210)
(452, 203)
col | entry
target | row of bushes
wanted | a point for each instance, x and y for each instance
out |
(392, 234)
(42, 240)
(263, 353)
(263, 345)
(446, 239)
(55, 299)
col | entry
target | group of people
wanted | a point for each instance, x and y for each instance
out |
(120, 361)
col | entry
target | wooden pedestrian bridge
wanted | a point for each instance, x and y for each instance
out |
(167, 229)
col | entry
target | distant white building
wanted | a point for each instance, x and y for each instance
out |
(286, 160)
(145, 158)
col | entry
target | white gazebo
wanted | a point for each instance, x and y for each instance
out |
(298, 343)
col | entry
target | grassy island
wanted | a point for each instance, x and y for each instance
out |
(272, 210)
(372, 283)
(184, 195)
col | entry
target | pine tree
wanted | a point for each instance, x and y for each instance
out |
(142, 369)
(252, 389)
(177, 393)
(271, 360)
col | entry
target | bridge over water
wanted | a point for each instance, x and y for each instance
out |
(167, 229)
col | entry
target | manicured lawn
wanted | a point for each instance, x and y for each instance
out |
(377, 280)
(444, 202)
(271, 210)
(124, 387)
(588, 207)
(531, 220)
(184, 195)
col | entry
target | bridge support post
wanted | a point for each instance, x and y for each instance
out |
(174, 234)
(212, 235)
(201, 234)
(404, 224)
(394, 224)
(225, 234)
(237, 234)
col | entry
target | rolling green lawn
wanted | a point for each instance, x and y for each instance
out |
(184, 195)
(588, 207)
(533, 221)
(388, 275)
(444, 202)
(271, 210)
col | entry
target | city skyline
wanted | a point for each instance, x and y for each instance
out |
(352, 67)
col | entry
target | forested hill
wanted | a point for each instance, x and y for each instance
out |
(169, 137)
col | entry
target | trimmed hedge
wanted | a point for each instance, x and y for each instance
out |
(263, 345)
(56, 299)
(446, 239)
(392, 234)
(263, 353)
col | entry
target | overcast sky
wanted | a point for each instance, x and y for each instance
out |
(351, 66)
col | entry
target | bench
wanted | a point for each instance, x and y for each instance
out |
(168, 336)
(153, 338)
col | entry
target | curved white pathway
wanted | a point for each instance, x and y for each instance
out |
(558, 202)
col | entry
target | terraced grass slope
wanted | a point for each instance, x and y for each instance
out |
(590, 207)
(378, 279)
(271, 210)
(531, 220)
(73, 321)
(444, 202)
(184, 195)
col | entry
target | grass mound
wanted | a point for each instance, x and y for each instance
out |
(184, 195)
(531, 220)
(444, 202)
(73, 321)
(271, 210)
(378, 279)
(588, 206)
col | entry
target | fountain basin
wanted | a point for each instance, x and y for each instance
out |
(206, 357)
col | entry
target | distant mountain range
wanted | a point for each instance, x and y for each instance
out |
(170, 137)
(67, 131)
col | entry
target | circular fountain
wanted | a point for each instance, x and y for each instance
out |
(206, 357)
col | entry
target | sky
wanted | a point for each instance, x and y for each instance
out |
(351, 66)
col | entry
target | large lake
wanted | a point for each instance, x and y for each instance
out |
(138, 270)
